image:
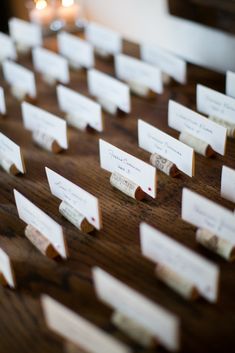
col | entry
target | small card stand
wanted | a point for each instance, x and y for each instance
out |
(18, 93)
(3, 280)
(46, 142)
(216, 244)
(200, 146)
(140, 90)
(22, 49)
(108, 106)
(76, 122)
(176, 282)
(103, 54)
(8, 166)
(75, 217)
(40, 242)
(70, 347)
(74, 65)
(164, 165)
(127, 186)
(166, 78)
(229, 126)
(51, 81)
(133, 330)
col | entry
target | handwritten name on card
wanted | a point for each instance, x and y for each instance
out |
(85, 203)
(154, 140)
(2, 102)
(103, 38)
(12, 152)
(167, 62)
(78, 105)
(26, 33)
(76, 50)
(211, 102)
(133, 70)
(204, 213)
(34, 216)
(113, 159)
(230, 84)
(19, 77)
(184, 119)
(159, 322)
(228, 183)
(104, 86)
(165, 251)
(51, 64)
(36, 119)
(6, 269)
(77, 330)
(7, 46)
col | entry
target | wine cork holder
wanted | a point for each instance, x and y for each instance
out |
(50, 80)
(176, 282)
(75, 217)
(8, 166)
(18, 93)
(140, 90)
(128, 187)
(216, 244)
(133, 330)
(40, 242)
(3, 280)
(46, 142)
(166, 78)
(74, 121)
(22, 49)
(164, 165)
(108, 106)
(70, 347)
(74, 65)
(229, 126)
(102, 53)
(200, 146)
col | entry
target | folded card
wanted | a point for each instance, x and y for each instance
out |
(7, 46)
(6, 269)
(230, 84)
(204, 213)
(36, 119)
(2, 102)
(184, 119)
(25, 33)
(228, 183)
(12, 152)
(113, 159)
(154, 140)
(165, 251)
(80, 107)
(34, 216)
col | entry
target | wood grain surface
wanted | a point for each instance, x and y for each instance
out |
(116, 249)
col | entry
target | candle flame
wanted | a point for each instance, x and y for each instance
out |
(40, 4)
(67, 3)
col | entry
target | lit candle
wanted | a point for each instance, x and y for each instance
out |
(42, 14)
(68, 11)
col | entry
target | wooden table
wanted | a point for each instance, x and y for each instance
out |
(116, 249)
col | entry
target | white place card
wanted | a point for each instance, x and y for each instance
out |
(163, 250)
(34, 216)
(19, 77)
(6, 269)
(51, 64)
(81, 200)
(36, 119)
(230, 84)
(159, 322)
(228, 183)
(2, 102)
(184, 119)
(206, 214)
(130, 69)
(104, 38)
(12, 152)
(25, 33)
(78, 105)
(211, 102)
(165, 61)
(154, 140)
(106, 87)
(75, 329)
(7, 46)
(76, 50)
(113, 159)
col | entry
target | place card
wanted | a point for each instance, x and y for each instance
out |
(87, 204)
(7, 46)
(25, 34)
(228, 183)
(160, 323)
(167, 252)
(39, 120)
(21, 80)
(40, 221)
(186, 120)
(75, 329)
(107, 88)
(11, 158)
(103, 38)
(115, 160)
(154, 140)
(78, 52)
(165, 61)
(6, 270)
(230, 84)
(134, 71)
(79, 109)
(2, 102)
(52, 66)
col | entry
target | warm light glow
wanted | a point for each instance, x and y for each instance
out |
(67, 3)
(40, 4)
